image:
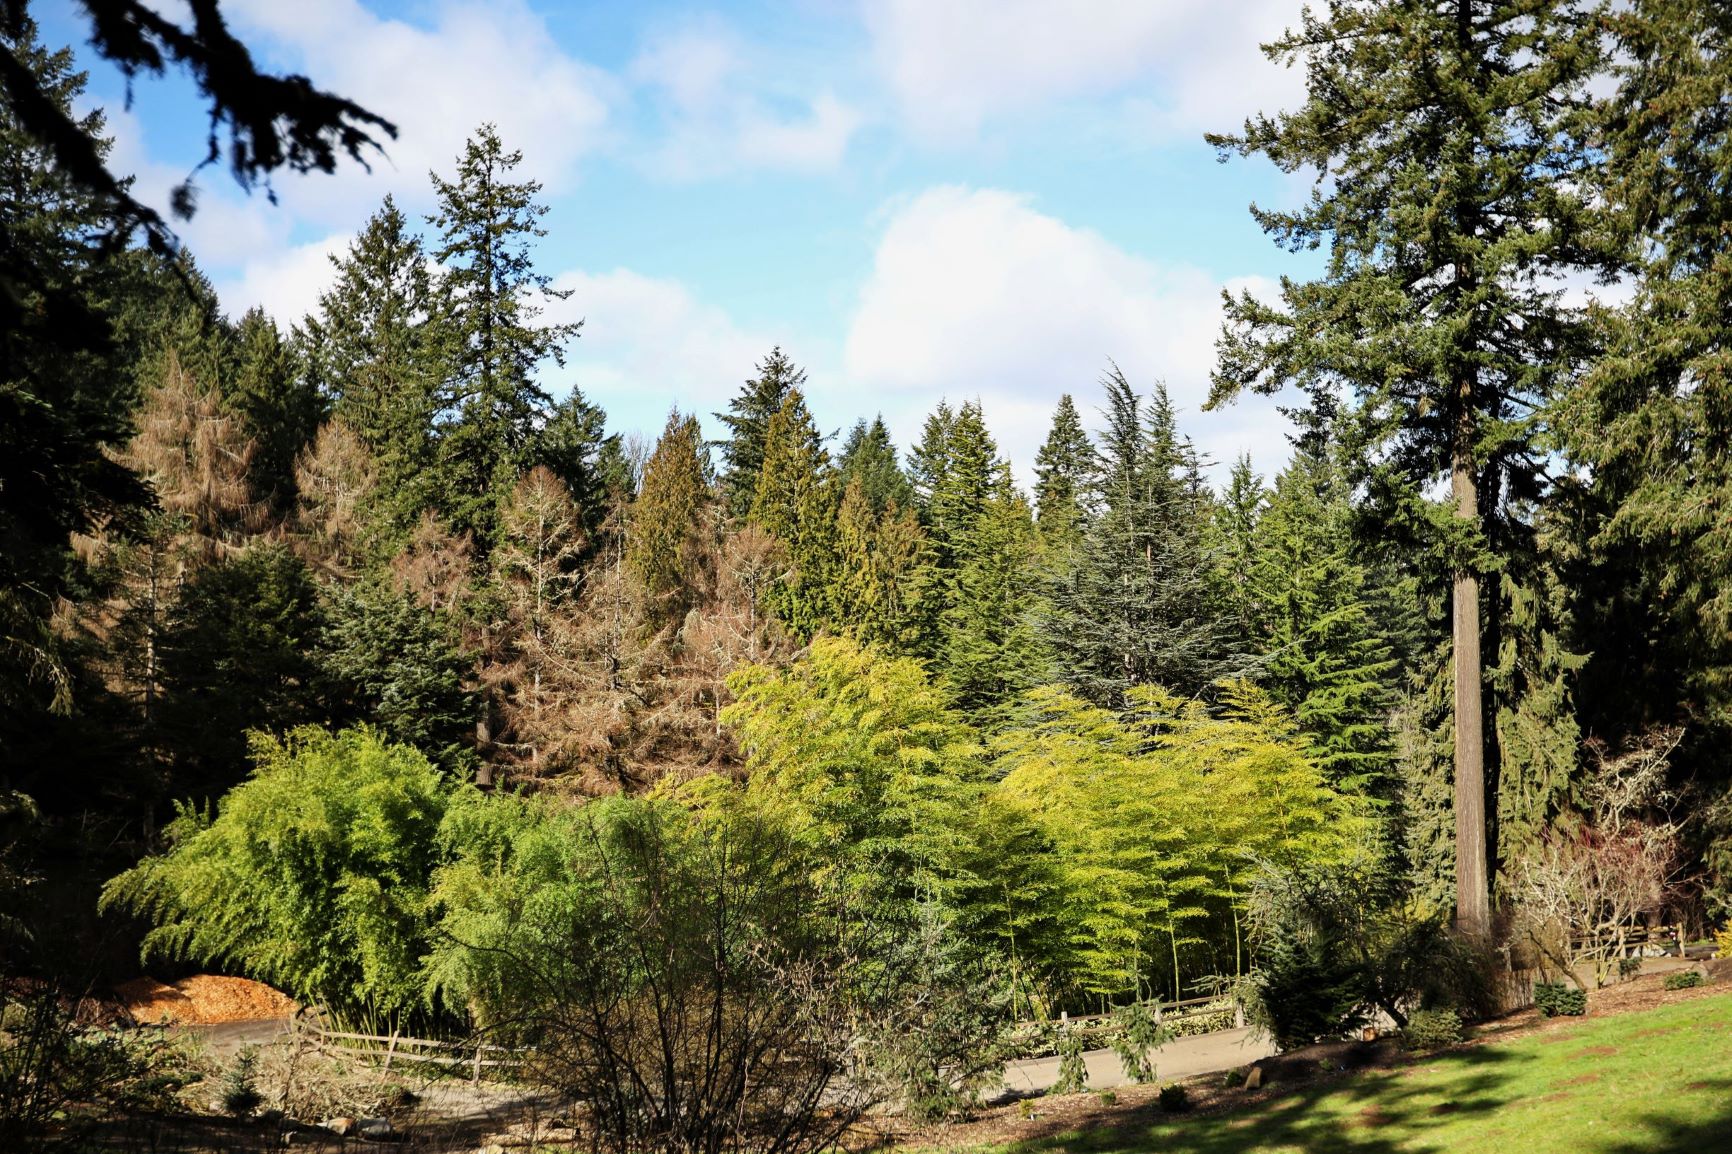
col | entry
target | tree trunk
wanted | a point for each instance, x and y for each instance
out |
(1472, 885)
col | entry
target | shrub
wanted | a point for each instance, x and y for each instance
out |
(1629, 967)
(240, 1091)
(1108, 1098)
(1723, 941)
(1431, 1030)
(1135, 1033)
(1073, 1072)
(1554, 999)
(1174, 1099)
(1684, 980)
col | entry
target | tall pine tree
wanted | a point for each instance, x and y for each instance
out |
(748, 423)
(796, 503)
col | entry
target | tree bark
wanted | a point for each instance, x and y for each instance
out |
(1472, 884)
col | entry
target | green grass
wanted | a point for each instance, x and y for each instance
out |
(1658, 1080)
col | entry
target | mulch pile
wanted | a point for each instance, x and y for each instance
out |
(203, 999)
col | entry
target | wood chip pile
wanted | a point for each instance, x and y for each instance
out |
(203, 999)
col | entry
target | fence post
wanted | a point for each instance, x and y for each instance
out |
(1157, 1012)
(475, 1076)
(1238, 1015)
(390, 1051)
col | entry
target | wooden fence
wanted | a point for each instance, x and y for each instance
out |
(472, 1057)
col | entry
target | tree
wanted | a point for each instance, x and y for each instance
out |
(335, 485)
(1137, 607)
(956, 469)
(312, 875)
(875, 554)
(373, 348)
(748, 423)
(796, 503)
(489, 303)
(1064, 470)
(664, 537)
(273, 122)
(277, 403)
(1458, 197)
(869, 456)
(576, 446)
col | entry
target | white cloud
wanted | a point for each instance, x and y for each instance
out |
(975, 293)
(286, 282)
(727, 107)
(469, 63)
(649, 344)
(1183, 65)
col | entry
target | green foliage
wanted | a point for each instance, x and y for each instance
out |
(869, 456)
(1137, 607)
(489, 301)
(1174, 1098)
(796, 502)
(1135, 1033)
(239, 1090)
(1684, 980)
(312, 875)
(277, 402)
(1431, 1030)
(1064, 470)
(1554, 999)
(1073, 1071)
(748, 423)
(664, 540)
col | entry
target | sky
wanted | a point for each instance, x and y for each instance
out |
(916, 199)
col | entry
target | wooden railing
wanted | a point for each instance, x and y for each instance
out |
(469, 1056)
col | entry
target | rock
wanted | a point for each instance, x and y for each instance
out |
(338, 1126)
(376, 1129)
(1254, 1080)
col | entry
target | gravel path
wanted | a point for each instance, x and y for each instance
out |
(1204, 1054)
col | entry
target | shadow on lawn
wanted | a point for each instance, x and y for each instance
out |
(1386, 1112)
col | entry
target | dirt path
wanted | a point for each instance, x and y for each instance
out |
(1204, 1054)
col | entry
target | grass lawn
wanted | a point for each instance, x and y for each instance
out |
(1653, 1080)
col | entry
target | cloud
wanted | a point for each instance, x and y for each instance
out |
(285, 282)
(468, 63)
(649, 344)
(975, 293)
(1181, 66)
(727, 107)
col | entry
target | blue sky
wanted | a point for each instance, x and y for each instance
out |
(916, 198)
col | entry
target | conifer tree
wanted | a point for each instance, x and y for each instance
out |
(1323, 654)
(335, 485)
(1138, 606)
(664, 539)
(276, 401)
(489, 304)
(576, 446)
(372, 348)
(956, 471)
(796, 504)
(875, 554)
(748, 423)
(1064, 472)
(991, 649)
(869, 455)
(1456, 200)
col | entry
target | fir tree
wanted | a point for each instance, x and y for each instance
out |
(277, 402)
(869, 456)
(490, 301)
(1138, 606)
(665, 535)
(576, 446)
(991, 650)
(1064, 472)
(371, 346)
(1456, 199)
(748, 423)
(956, 471)
(875, 554)
(796, 504)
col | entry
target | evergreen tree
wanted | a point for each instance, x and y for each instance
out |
(956, 472)
(1324, 657)
(490, 301)
(277, 402)
(576, 446)
(875, 553)
(1064, 472)
(1234, 532)
(664, 540)
(991, 650)
(748, 423)
(372, 348)
(796, 504)
(869, 455)
(1138, 606)
(1456, 200)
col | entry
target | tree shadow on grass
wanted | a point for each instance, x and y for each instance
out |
(1707, 1128)
(1382, 1112)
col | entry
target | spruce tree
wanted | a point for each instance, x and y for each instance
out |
(870, 456)
(372, 348)
(1456, 201)
(1138, 607)
(665, 532)
(956, 470)
(796, 504)
(576, 446)
(489, 304)
(276, 400)
(875, 554)
(748, 423)
(1064, 472)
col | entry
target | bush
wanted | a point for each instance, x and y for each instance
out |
(1174, 1099)
(1431, 1030)
(1723, 941)
(1684, 980)
(1629, 967)
(240, 1091)
(1073, 1072)
(1554, 999)
(1135, 1033)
